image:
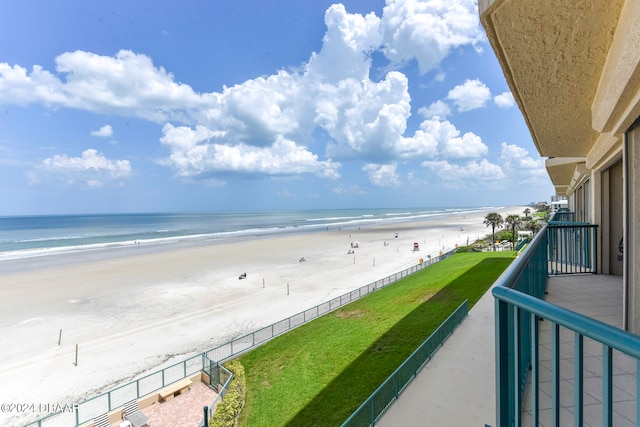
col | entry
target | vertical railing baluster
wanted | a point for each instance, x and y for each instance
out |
(535, 374)
(555, 375)
(515, 356)
(607, 386)
(578, 379)
(595, 249)
(503, 413)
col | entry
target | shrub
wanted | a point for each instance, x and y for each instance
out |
(228, 410)
(505, 235)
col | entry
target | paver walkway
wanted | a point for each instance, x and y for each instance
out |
(185, 410)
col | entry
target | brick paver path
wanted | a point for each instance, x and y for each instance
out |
(181, 411)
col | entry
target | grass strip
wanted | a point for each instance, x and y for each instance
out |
(318, 374)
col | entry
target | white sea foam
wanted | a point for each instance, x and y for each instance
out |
(24, 243)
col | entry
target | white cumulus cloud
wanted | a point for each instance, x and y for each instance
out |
(450, 144)
(105, 132)
(436, 109)
(127, 84)
(349, 38)
(91, 168)
(366, 119)
(382, 175)
(524, 168)
(464, 175)
(515, 157)
(470, 95)
(428, 30)
(197, 153)
(504, 100)
(266, 125)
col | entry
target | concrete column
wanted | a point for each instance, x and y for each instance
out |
(632, 229)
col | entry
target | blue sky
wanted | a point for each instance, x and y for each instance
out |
(147, 106)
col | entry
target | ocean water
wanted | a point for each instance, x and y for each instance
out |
(33, 236)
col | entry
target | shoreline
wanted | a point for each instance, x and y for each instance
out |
(132, 313)
(37, 258)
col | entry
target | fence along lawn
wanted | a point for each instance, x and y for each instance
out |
(319, 373)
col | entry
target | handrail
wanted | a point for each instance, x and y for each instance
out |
(518, 307)
(526, 275)
(564, 214)
(592, 328)
(511, 274)
(573, 247)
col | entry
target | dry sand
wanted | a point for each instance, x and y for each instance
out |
(131, 314)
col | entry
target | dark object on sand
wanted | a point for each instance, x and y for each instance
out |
(242, 276)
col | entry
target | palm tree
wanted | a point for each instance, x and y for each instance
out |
(526, 212)
(494, 220)
(514, 224)
(533, 226)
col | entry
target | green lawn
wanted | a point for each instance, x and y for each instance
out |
(319, 373)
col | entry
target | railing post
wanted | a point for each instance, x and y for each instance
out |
(595, 250)
(578, 379)
(373, 413)
(555, 375)
(535, 375)
(502, 363)
(607, 386)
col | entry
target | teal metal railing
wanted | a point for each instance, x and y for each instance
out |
(376, 405)
(220, 378)
(510, 302)
(563, 216)
(527, 275)
(573, 247)
(518, 311)
(117, 397)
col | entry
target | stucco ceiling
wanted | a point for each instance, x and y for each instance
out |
(552, 53)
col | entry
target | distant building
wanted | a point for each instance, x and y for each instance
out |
(558, 202)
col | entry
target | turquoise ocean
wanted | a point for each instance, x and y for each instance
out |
(35, 236)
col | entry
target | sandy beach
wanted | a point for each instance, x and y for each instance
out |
(130, 314)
